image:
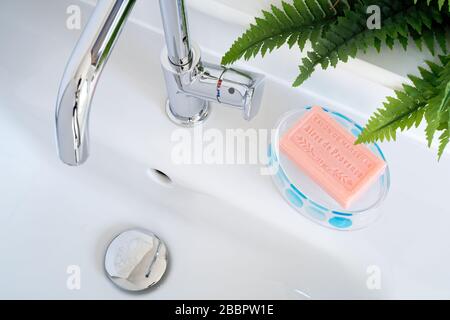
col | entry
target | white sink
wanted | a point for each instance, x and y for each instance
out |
(229, 233)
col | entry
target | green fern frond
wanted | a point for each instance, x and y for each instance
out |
(350, 34)
(428, 98)
(402, 112)
(440, 3)
(443, 142)
(293, 24)
(437, 105)
(338, 31)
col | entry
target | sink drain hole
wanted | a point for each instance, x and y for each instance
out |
(160, 177)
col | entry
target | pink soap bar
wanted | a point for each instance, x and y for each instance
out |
(326, 152)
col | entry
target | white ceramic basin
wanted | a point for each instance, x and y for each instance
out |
(229, 233)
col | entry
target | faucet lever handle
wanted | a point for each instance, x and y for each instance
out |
(243, 89)
(255, 96)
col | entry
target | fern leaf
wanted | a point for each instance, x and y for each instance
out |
(292, 23)
(443, 142)
(428, 97)
(444, 100)
(350, 33)
(401, 112)
(432, 115)
(438, 106)
(338, 31)
(440, 3)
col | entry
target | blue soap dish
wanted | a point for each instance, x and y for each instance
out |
(306, 197)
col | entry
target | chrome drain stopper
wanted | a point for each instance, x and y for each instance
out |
(136, 260)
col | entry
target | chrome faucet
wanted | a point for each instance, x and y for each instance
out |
(191, 84)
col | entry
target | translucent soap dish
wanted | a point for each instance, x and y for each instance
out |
(308, 198)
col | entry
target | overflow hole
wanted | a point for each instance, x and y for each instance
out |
(159, 177)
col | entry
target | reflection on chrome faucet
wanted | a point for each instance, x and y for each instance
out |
(191, 84)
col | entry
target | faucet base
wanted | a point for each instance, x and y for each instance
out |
(191, 121)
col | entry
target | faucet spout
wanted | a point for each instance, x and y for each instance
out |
(81, 76)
